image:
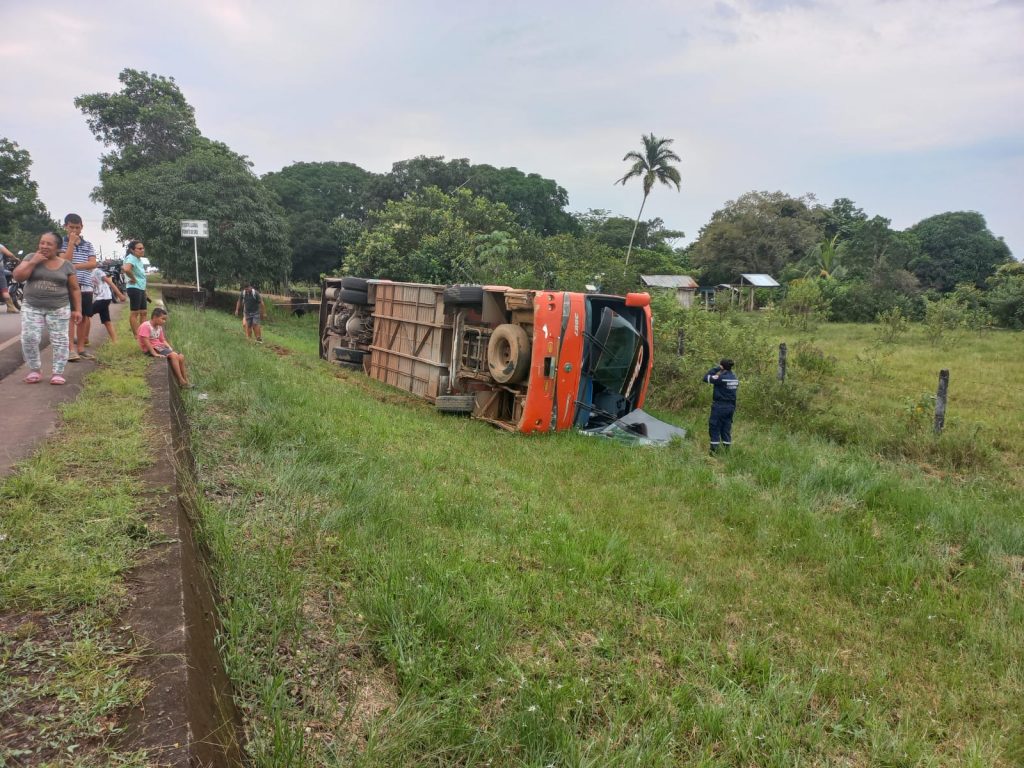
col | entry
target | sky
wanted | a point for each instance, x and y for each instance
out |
(908, 107)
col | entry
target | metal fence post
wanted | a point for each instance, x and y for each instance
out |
(782, 361)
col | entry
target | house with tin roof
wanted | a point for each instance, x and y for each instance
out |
(684, 286)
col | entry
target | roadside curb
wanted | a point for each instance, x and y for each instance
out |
(188, 717)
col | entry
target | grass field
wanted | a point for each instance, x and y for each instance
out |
(404, 588)
(73, 519)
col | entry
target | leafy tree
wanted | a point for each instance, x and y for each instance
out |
(1005, 296)
(651, 165)
(615, 231)
(872, 249)
(841, 218)
(433, 237)
(23, 217)
(537, 203)
(758, 232)
(161, 170)
(248, 233)
(957, 248)
(313, 196)
(148, 121)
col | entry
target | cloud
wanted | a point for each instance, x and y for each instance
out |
(825, 97)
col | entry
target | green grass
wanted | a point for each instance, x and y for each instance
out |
(403, 588)
(73, 519)
(887, 391)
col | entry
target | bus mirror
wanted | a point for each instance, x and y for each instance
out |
(638, 299)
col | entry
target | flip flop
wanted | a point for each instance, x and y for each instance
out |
(33, 378)
(57, 379)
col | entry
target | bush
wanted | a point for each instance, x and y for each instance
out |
(805, 304)
(944, 319)
(1005, 297)
(677, 380)
(892, 325)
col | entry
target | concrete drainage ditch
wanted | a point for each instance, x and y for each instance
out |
(188, 717)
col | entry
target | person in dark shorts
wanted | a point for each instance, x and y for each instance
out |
(134, 272)
(250, 301)
(103, 292)
(82, 255)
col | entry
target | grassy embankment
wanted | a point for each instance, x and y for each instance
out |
(73, 518)
(403, 588)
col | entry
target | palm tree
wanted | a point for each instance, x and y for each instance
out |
(653, 165)
(824, 259)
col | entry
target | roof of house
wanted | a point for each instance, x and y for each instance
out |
(668, 281)
(760, 281)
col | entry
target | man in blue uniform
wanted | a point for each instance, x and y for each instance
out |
(723, 404)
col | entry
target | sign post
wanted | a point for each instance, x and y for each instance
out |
(196, 229)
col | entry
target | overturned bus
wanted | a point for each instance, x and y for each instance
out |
(524, 360)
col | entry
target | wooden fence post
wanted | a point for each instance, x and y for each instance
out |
(940, 401)
(681, 342)
(782, 361)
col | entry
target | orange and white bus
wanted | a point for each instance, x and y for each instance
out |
(524, 360)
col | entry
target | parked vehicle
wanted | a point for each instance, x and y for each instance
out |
(15, 289)
(524, 360)
(112, 268)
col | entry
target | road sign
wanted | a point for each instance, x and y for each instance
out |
(190, 228)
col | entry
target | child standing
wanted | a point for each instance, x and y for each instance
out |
(103, 291)
(154, 343)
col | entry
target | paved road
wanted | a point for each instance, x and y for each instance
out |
(10, 342)
(28, 412)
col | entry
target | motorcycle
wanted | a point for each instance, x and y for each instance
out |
(112, 268)
(15, 289)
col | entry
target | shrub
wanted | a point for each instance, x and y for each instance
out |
(805, 304)
(892, 325)
(677, 380)
(944, 319)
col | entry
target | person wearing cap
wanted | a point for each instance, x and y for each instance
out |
(723, 404)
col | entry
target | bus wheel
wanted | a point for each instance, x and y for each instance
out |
(455, 403)
(508, 354)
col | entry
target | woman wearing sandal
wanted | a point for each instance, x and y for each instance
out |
(52, 299)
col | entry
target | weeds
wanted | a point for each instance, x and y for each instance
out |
(72, 523)
(561, 600)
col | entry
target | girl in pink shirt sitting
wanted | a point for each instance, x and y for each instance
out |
(154, 343)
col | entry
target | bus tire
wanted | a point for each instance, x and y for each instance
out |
(455, 403)
(352, 296)
(354, 283)
(508, 354)
(346, 355)
(463, 296)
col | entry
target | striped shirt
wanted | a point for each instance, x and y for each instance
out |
(83, 252)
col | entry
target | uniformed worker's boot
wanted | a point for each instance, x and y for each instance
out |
(714, 448)
(10, 305)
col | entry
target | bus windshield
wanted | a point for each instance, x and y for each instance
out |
(616, 361)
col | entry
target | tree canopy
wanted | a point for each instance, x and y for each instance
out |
(956, 247)
(162, 170)
(537, 203)
(248, 235)
(314, 196)
(23, 217)
(757, 232)
(147, 121)
(435, 237)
